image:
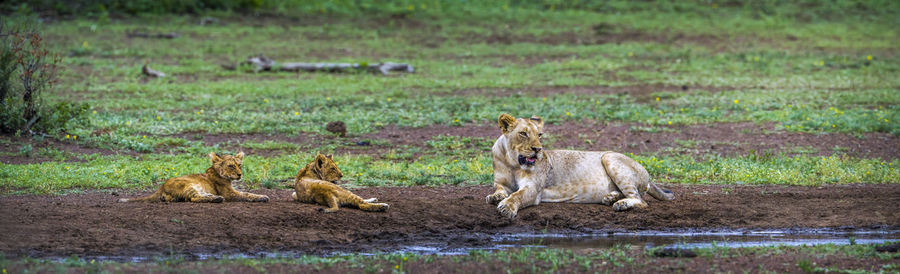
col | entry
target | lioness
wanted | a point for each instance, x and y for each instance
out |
(525, 174)
(315, 185)
(214, 186)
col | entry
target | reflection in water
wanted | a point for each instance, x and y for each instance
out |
(647, 239)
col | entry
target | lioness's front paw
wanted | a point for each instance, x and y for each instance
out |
(629, 203)
(370, 200)
(264, 199)
(508, 209)
(217, 199)
(495, 198)
(611, 198)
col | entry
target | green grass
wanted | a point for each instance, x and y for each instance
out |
(469, 167)
(811, 67)
(620, 257)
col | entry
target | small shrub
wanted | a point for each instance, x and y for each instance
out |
(27, 69)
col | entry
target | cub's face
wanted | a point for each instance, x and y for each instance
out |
(327, 169)
(524, 136)
(227, 166)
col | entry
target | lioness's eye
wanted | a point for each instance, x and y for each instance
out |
(541, 135)
(523, 134)
(231, 166)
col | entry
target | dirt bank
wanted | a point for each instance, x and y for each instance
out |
(93, 224)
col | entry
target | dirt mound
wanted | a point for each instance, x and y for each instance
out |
(93, 224)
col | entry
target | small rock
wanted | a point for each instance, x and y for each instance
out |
(363, 143)
(888, 248)
(337, 127)
(674, 252)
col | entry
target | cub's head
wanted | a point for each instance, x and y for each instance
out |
(227, 166)
(323, 168)
(524, 136)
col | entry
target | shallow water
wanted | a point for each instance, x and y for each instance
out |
(646, 239)
(703, 239)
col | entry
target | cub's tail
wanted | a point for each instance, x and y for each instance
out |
(660, 194)
(155, 197)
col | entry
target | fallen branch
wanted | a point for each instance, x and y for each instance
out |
(263, 63)
(152, 72)
(170, 35)
(384, 68)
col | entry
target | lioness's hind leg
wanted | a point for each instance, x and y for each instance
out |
(628, 176)
(611, 198)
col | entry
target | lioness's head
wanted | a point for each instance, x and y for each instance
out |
(524, 136)
(227, 166)
(323, 168)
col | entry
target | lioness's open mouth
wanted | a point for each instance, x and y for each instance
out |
(527, 160)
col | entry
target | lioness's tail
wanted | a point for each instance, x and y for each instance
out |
(155, 197)
(660, 194)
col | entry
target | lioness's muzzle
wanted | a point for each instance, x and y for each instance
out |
(527, 160)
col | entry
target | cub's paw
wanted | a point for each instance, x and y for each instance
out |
(495, 198)
(294, 195)
(327, 210)
(216, 199)
(262, 199)
(629, 203)
(508, 209)
(370, 200)
(382, 206)
(611, 198)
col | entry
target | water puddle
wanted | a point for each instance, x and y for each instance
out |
(646, 239)
(732, 239)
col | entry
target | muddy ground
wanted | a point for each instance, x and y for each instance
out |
(93, 224)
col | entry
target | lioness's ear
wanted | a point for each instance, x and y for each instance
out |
(213, 157)
(538, 120)
(240, 155)
(506, 122)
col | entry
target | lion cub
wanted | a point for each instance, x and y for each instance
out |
(315, 185)
(214, 186)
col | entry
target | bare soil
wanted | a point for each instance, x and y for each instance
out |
(723, 139)
(93, 224)
(642, 92)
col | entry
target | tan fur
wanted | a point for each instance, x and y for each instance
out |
(315, 185)
(608, 178)
(214, 186)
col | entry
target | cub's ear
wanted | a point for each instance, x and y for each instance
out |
(320, 160)
(538, 121)
(329, 156)
(240, 155)
(214, 158)
(506, 122)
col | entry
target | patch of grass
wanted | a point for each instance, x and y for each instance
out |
(474, 168)
(796, 170)
(617, 258)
